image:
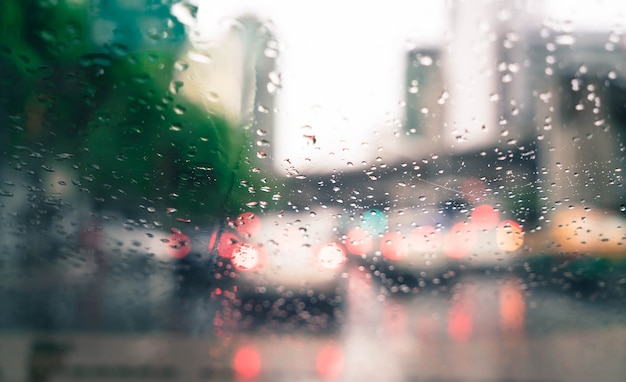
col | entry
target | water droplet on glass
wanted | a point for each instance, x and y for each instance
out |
(310, 139)
(181, 65)
(175, 86)
(261, 155)
(178, 109)
(212, 96)
(200, 57)
(176, 127)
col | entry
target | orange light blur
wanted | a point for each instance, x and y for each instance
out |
(359, 241)
(485, 217)
(178, 245)
(332, 255)
(425, 238)
(248, 224)
(226, 244)
(245, 257)
(329, 362)
(512, 307)
(394, 246)
(509, 236)
(459, 241)
(247, 362)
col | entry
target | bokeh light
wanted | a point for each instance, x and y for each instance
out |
(245, 257)
(512, 307)
(374, 221)
(226, 244)
(460, 323)
(509, 236)
(485, 217)
(247, 362)
(178, 245)
(332, 255)
(248, 224)
(460, 240)
(394, 246)
(329, 362)
(359, 241)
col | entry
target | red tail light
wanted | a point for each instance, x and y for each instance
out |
(460, 240)
(248, 224)
(178, 245)
(329, 362)
(226, 244)
(247, 362)
(359, 241)
(394, 246)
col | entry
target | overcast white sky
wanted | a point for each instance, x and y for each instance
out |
(342, 66)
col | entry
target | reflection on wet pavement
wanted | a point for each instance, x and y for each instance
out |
(474, 328)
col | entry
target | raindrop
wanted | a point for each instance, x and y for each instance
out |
(178, 109)
(310, 139)
(176, 127)
(119, 49)
(271, 50)
(175, 86)
(200, 57)
(261, 155)
(212, 96)
(443, 98)
(275, 78)
(424, 60)
(181, 65)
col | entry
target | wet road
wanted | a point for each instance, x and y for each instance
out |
(133, 326)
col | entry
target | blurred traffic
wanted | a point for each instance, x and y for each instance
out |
(254, 190)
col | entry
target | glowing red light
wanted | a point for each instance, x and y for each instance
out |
(485, 217)
(329, 362)
(460, 240)
(394, 246)
(248, 224)
(226, 244)
(359, 241)
(247, 362)
(178, 245)
(460, 323)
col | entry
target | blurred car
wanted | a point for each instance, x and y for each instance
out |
(453, 233)
(286, 264)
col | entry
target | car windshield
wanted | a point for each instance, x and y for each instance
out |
(336, 191)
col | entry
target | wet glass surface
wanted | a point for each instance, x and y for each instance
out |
(385, 191)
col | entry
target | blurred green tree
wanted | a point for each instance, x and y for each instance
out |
(112, 111)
